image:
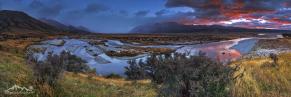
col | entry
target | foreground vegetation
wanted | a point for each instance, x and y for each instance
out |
(79, 85)
(14, 71)
(181, 75)
(254, 77)
(274, 43)
(261, 77)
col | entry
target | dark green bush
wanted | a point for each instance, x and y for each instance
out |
(184, 76)
(135, 71)
(76, 64)
(275, 59)
(113, 76)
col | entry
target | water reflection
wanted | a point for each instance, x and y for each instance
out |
(224, 51)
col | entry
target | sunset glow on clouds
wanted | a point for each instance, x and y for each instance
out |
(242, 13)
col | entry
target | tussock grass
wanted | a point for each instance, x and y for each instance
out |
(13, 72)
(79, 85)
(257, 78)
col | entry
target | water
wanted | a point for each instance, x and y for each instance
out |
(223, 51)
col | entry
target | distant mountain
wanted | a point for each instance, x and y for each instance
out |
(67, 28)
(173, 27)
(16, 21)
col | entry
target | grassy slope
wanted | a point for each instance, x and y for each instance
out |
(15, 72)
(80, 85)
(259, 80)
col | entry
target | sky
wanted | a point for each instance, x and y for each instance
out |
(120, 16)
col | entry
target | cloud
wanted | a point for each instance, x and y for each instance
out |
(46, 10)
(161, 12)
(124, 12)
(142, 13)
(51, 11)
(229, 8)
(210, 11)
(35, 4)
(95, 8)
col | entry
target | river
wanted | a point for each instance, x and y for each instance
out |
(224, 51)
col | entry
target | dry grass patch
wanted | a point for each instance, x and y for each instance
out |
(255, 77)
(79, 85)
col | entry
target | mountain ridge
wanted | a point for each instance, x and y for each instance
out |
(14, 21)
(19, 23)
(173, 27)
(68, 28)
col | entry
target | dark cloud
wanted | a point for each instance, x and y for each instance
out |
(44, 10)
(95, 8)
(88, 10)
(161, 12)
(36, 4)
(51, 11)
(229, 8)
(277, 12)
(142, 13)
(124, 12)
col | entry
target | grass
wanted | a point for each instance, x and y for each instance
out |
(273, 44)
(257, 78)
(79, 85)
(254, 78)
(14, 71)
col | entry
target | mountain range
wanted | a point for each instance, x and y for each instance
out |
(173, 27)
(21, 23)
(67, 28)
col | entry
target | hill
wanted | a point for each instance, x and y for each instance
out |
(173, 27)
(16, 21)
(17, 24)
(65, 28)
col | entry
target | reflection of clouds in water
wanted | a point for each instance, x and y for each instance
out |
(221, 54)
(223, 51)
(228, 55)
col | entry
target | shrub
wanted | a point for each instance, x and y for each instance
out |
(49, 70)
(135, 71)
(91, 73)
(274, 57)
(76, 64)
(181, 75)
(113, 76)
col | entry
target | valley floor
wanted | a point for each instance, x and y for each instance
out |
(255, 77)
